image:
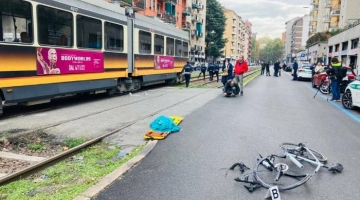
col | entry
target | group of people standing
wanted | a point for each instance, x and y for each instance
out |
(231, 77)
(277, 68)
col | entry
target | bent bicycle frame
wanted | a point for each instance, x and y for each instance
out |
(294, 158)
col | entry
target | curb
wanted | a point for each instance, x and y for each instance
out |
(251, 79)
(113, 176)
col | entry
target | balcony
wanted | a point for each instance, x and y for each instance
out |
(232, 48)
(313, 19)
(194, 18)
(327, 4)
(326, 19)
(316, 7)
(166, 17)
(200, 35)
(171, 1)
(186, 26)
(139, 5)
(194, 32)
(195, 4)
(233, 25)
(334, 25)
(335, 11)
(187, 11)
(233, 32)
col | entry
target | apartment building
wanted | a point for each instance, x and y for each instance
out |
(248, 41)
(188, 15)
(329, 15)
(288, 39)
(238, 33)
(194, 22)
(296, 35)
(345, 46)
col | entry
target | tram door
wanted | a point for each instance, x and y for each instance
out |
(130, 33)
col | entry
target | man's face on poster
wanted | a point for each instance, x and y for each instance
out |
(52, 56)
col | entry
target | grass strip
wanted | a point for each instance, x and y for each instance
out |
(71, 177)
(249, 78)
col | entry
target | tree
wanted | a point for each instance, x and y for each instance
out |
(215, 28)
(270, 49)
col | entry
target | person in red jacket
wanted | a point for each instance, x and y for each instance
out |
(240, 68)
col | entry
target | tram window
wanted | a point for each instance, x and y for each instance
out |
(114, 37)
(89, 32)
(15, 21)
(170, 46)
(159, 44)
(144, 42)
(55, 27)
(178, 48)
(186, 49)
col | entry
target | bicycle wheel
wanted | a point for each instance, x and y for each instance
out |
(298, 150)
(290, 178)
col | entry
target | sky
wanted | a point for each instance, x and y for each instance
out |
(268, 17)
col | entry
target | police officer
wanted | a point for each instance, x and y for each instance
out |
(216, 71)
(202, 70)
(188, 69)
(211, 69)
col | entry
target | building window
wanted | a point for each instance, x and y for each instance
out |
(344, 46)
(15, 21)
(178, 48)
(354, 43)
(159, 44)
(330, 49)
(185, 49)
(144, 42)
(170, 46)
(337, 47)
(89, 32)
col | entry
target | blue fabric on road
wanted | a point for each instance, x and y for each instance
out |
(164, 124)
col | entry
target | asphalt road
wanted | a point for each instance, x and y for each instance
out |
(192, 164)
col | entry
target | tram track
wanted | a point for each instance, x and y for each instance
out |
(76, 100)
(39, 165)
(54, 159)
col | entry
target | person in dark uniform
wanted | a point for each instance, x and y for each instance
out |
(295, 68)
(216, 71)
(262, 68)
(276, 68)
(267, 66)
(187, 73)
(211, 68)
(202, 70)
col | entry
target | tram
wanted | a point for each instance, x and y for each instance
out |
(51, 48)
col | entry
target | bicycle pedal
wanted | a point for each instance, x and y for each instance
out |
(237, 179)
(252, 187)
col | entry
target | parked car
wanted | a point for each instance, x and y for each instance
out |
(351, 97)
(304, 72)
(289, 67)
(321, 76)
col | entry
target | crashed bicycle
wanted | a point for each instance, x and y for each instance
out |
(287, 171)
